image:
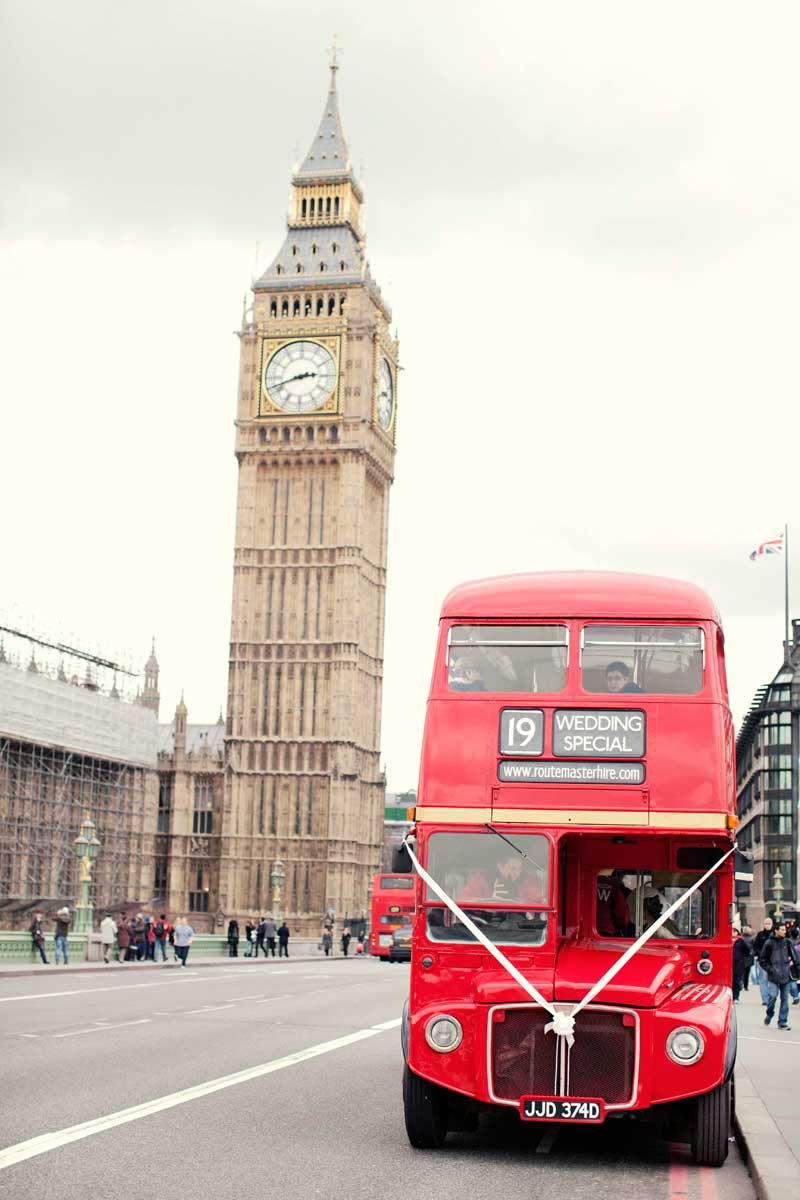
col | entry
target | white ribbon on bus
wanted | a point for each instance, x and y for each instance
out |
(563, 1023)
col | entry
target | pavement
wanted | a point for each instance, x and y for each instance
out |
(18, 970)
(767, 1091)
(235, 1081)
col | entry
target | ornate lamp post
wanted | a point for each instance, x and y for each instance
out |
(777, 888)
(86, 846)
(277, 878)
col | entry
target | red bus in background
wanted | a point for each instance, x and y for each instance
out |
(576, 786)
(392, 906)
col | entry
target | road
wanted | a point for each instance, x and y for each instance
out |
(260, 1079)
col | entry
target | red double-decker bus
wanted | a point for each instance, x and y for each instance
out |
(571, 953)
(392, 907)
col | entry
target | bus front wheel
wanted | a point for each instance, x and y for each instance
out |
(425, 1108)
(711, 1120)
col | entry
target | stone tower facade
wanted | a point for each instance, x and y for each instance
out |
(315, 443)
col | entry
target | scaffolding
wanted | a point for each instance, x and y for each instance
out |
(67, 750)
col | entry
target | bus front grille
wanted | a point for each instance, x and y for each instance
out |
(525, 1061)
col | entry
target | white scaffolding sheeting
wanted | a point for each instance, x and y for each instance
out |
(34, 708)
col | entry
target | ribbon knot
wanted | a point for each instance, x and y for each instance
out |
(562, 1025)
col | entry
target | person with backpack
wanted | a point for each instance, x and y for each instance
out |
(780, 962)
(233, 938)
(161, 929)
(283, 941)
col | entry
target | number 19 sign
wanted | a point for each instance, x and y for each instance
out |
(522, 731)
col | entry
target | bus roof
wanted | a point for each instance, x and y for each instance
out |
(610, 595)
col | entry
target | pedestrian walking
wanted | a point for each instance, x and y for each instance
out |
(327, 942)
(63, 919)
(781, 964)
(161, 929)
(759, 941)
(108, 934)
(346, 940)
(36, 931)
(124, 939)
(249, 931)
(283, 941)
(149, 938)
(747, 934)
(233, 938)
(261, 933)
(270, 933)
(139, 941)
(184, 936)
(742, 958)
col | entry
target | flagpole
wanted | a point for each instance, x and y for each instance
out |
(786, 582)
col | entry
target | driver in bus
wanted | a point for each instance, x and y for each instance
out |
(465, 675)
(507, 882)
(618, 678)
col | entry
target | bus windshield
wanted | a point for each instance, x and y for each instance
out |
(665, 659)
(500, 883)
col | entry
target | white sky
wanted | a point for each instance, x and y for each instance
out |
(584, 215)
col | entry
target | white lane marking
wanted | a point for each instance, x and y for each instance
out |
(271, 998)
(316, 975)
(388, 1024)
(123, 987)
(254, 996)
(102, 1028)
(32, 1035)
(74, 1133)
(206, 1008)
(775, 1041)
(283, 972)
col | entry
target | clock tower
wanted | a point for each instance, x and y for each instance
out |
(315, 444)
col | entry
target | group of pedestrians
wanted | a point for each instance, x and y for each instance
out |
(260, 935)
(123, 940)
(772, 960)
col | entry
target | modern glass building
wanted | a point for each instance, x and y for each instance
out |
(767, 755)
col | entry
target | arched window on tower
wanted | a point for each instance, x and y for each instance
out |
(304, 209)
(299, 268)
(336, 206)
(341, 305)
(342, 265)
(307, 307)
(273, 308)
(320, 306)
(309, 433)
(294, 251)
(335, 247)
(279, 269)
(313, 247)
(285, 308)
(311, 208)
(331, 305)
(286, 433)
(322, 267)
(263, 435)
(328, 207)
(296, 309)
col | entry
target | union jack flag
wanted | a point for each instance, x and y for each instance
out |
(772, 546)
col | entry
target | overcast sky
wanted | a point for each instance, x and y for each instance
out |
(585, 218)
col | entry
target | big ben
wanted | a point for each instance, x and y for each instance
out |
(315, 444)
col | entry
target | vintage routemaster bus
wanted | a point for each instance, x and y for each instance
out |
(392, 906)
(571, 954)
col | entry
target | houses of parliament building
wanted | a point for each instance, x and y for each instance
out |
(292, 774)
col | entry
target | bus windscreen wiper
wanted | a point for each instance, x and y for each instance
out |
(510, 843)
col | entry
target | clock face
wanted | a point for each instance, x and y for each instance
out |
(384, 399)
(300, 377)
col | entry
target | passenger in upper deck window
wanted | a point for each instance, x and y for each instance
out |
(618, 678)
(465, 675)
(507, 882)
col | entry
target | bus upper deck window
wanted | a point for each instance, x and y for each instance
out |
(507, 658)
(661, 659)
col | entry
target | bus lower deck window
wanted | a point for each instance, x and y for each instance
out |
(628, 902)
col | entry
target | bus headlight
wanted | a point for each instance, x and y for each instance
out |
(685, 1045)
(443, 1034)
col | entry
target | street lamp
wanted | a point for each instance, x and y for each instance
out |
(277, 878)
(86, 845)
(777, 887)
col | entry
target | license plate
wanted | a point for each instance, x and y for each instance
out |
(576, 1110)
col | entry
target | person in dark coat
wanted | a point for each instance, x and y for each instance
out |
(346, 940)
(283, 941)
(742, 957)
(36, 931)
(233, 938)
(747, 935)
(124, 939)
(779, 960)
(249, 931)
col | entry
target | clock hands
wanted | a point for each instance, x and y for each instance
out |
(304, 375)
